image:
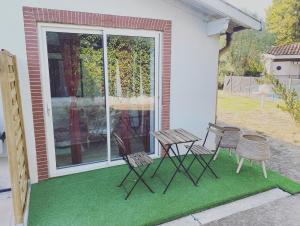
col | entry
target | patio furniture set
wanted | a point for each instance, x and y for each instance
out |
(251, 147)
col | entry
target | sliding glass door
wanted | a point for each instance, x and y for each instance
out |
(98, 82)
(76, 78)
(131, 77)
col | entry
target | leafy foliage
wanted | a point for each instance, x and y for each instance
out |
(283, 19)
(290, 97)
(134, 56)
(92, 72)
(92, 76)
(244, 55)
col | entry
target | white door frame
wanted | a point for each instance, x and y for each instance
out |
(46, 93)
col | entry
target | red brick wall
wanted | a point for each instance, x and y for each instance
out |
(32, 16)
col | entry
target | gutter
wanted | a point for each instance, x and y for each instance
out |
(228, 43)
(223, 26)
(229, 38)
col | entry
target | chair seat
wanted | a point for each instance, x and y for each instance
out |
(200, 150)
(139, 159)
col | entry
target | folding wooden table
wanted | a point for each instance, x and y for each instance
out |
(170, 138)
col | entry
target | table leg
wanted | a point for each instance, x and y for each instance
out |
(161, 161)
(177, 155)
(178, 152)
(181, 160)
(178, 167)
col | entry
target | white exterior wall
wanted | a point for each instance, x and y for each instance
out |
(287, 68)
(194, 57)
(2, 144)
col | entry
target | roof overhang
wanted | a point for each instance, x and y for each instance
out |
(282, 57)
(222, 17)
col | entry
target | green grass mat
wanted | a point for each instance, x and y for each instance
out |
(93, 198)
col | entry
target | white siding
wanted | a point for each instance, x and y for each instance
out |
(194, 56)
(287, 68)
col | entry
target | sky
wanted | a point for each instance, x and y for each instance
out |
(256, 6)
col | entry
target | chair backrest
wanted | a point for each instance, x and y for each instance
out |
(231, 137)
(216, 134)
(122, 148)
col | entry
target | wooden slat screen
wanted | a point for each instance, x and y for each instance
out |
(15, 136)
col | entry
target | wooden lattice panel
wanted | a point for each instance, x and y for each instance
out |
(14, 127)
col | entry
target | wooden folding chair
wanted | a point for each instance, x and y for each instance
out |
(134, 161)
(199, 151)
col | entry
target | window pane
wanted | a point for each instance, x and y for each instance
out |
(131, 71)
(78, 97)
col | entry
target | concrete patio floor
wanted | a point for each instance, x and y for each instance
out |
(281, 212)
(4, 173)
(220, 212)
(6, 209)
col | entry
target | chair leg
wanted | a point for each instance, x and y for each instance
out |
(205, 168)
(240, 165)
(230, 151)
(207, 165)
(131, 189)
(191, 163)
(237, 159)
(140, 177)
(163, 158)
(264, 169)
(125, 178)
(216, 155)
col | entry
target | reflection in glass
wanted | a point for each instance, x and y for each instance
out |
(131, 91)
(78, 97)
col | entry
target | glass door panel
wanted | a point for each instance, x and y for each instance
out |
(78, 97)
(131, 79)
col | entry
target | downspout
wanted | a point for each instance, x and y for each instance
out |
(221, 52)
(227, 45)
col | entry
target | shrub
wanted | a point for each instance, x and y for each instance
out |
(290, 97)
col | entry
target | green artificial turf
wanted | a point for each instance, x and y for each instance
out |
(93, 198)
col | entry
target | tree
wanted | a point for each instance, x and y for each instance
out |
(244, 55)
(283, 20)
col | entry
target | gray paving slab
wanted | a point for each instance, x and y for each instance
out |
(247, 203)
(283, 212)
(6, 210)
(4, 173)
(188, 220)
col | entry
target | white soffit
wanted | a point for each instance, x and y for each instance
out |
(214, 10)
(218, 26)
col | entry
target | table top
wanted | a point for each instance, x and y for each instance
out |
(175, 136)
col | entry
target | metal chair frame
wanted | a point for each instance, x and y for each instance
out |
(124, 152)
(218, 131)
(177, 166)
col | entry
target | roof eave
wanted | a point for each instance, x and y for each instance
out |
(275, 57)
(236, 15)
